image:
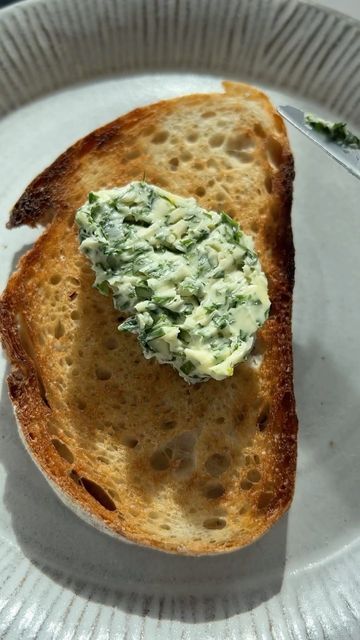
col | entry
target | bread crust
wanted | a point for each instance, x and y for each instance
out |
(46, 201)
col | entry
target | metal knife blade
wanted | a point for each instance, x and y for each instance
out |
(347, 156)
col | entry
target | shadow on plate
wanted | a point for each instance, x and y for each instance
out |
(137, 580)
(99, 568)
(142, 581)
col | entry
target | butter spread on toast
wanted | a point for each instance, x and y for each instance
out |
(189, 277)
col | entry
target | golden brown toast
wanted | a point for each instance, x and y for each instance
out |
(125, 441)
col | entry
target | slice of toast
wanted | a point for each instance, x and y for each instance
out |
(125, 441)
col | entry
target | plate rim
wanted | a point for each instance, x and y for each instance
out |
(24, 5)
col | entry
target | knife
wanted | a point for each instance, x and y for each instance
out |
(347, 156)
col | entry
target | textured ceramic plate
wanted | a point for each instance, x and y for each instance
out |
(67, 67)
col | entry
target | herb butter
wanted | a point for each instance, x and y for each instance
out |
(188, 279)
(337, 131)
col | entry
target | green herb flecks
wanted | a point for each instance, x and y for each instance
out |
(104, 288)
(188, 278)
(187, 367)
(131, 325)
(336, 131)
(92, 197)
(143, 292)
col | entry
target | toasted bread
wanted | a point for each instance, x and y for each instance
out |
(125, 441)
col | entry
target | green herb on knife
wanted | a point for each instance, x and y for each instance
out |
(336, 131)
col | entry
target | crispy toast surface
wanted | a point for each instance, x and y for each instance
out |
(125, 441)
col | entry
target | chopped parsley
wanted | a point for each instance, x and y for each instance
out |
(336, 131)
(189, 279)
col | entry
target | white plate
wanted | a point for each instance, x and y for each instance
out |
(67, 67)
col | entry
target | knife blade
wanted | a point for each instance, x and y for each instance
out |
(347, 156)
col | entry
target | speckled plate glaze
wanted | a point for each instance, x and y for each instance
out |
(67, 67)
